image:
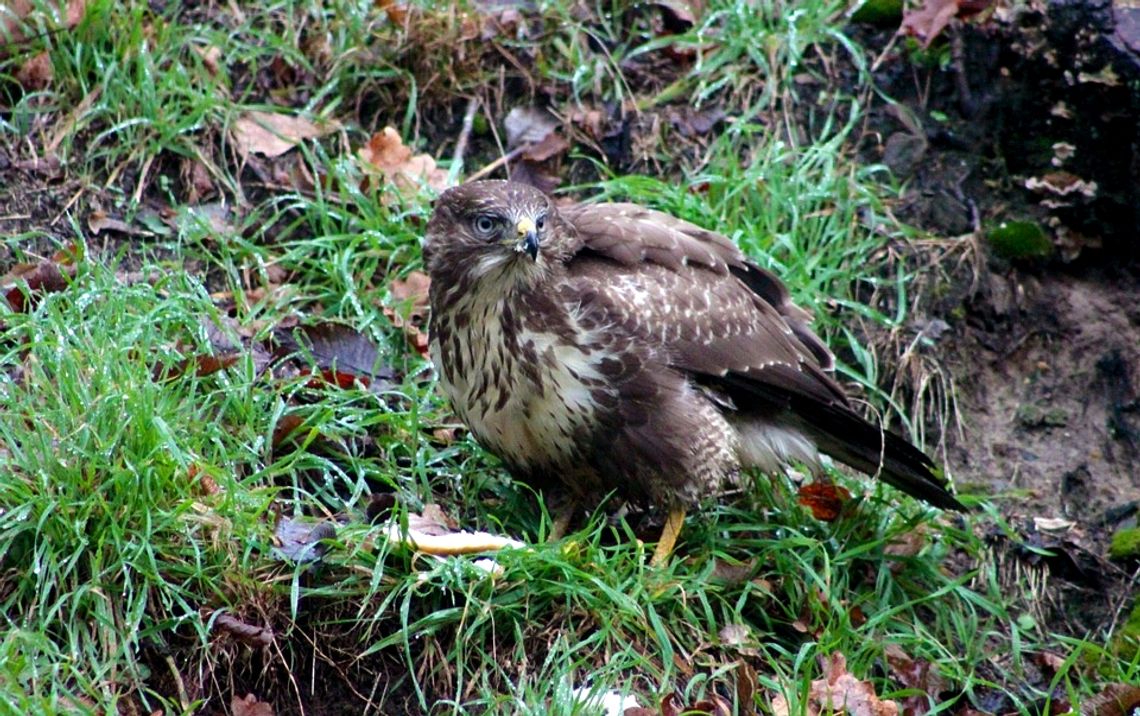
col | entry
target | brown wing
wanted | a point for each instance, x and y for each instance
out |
(633, 235)
(733, 327)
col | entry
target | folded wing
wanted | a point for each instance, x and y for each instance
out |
(733, 328)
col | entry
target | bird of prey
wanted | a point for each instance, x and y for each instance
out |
(609, 347)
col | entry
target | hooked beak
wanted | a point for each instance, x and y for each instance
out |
(527, 238)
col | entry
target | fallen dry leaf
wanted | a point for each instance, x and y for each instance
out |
(908, 544)
(48, 166)
(838, 692)
(206, 484)
(386, 154)
(14, 12)
(412, 293)
(196, 178)
(928, 21)
(672, 706)
(917, 674)
(301, 541)
(528, 125)
(591, 121)
(533, 132)
(250, 706)
(210, 56)
(201, 366)
(35, 74)
(1113, 700)
(839, 689)
(733, 634)
(22, 286)
(272, 134)
(343, 355)
(98, 222)
(678, 15)
(251, 634)
(825, 500)
(286, 426)
(397, 12)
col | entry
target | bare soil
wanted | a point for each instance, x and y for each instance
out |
(1043, 350)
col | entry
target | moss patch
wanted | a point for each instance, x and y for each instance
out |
(1125, 545)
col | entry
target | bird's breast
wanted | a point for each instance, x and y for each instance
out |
(529, 395)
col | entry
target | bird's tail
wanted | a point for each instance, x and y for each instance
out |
(843, 434)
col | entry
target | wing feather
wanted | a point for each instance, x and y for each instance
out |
(733, 327)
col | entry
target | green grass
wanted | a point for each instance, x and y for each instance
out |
(136, 509)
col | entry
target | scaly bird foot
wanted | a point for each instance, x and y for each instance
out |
(669, 534)
(561, 522)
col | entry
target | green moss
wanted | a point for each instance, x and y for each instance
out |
(1125, 545)
(1020, 240)
(1031, 415)
(879, 12)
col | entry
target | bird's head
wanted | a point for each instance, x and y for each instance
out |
(488, 227)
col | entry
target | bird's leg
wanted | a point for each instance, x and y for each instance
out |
(669, 534)
(562, 519)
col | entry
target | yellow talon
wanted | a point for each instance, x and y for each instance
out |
(562, 522)
(669, 534)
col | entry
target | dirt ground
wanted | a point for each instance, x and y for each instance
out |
(1044, 350)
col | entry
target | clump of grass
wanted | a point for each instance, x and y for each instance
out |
(109, 538)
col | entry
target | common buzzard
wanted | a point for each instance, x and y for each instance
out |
(612, 347)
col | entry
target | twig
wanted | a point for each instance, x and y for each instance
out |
(1120, 604)
(966, 103)
(65, 127)
(883, 55)
(464, 135)
(509, 156)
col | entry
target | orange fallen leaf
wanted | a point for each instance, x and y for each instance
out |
(825, 500)
(397, 12)
(200, 365)
(413, 291)
(387, 155)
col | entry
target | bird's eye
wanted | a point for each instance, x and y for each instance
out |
(485, 224)
(540, 224)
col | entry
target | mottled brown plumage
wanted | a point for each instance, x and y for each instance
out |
(610, 347)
